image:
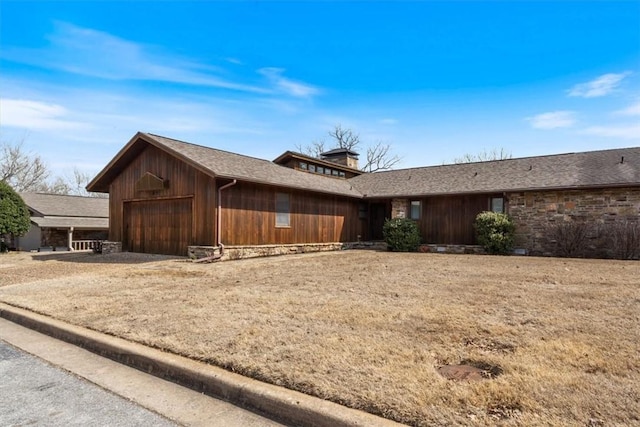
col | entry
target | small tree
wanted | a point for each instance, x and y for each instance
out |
(495, 232)
(14, 215)
(401, 234)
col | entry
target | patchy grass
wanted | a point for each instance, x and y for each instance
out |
(369, 329)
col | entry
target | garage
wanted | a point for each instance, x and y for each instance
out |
(158, 226)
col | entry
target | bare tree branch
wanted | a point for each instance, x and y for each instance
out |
(22, 171)
(345, 138)
(485, 156)
(379, 158)
(26, 172)
(312, 150)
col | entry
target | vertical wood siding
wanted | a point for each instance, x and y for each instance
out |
(449, 219)
(196, 227)
(248, 217)
(158, 226)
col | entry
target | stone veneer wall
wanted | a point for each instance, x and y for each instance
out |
(111, 247)
(399, 208)
(242, 252)
(535, 211)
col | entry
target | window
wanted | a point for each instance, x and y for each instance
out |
(342, 174)
(327, 171)
(320, 169)
(416, 209)
(334, 172)
(497, 204)
(282, 210)
(362, 211)
(312, 168)
(303, 166)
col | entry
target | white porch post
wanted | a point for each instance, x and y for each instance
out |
(70, 238)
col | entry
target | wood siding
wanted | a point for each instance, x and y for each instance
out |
(248, 217)
(449, 219)
(184, 181)
(158, 226)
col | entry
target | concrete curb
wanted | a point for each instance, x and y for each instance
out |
(281, 404)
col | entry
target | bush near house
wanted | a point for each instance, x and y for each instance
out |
(576, 239)
(495, 232)
(624, 237)
(14, 215)
(570, 238)
(401, 234)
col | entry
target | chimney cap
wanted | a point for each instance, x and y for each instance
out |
(336, 152)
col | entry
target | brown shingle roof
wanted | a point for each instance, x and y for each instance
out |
(619, 167)
(224, 164)
(66, 206)
(564, 171)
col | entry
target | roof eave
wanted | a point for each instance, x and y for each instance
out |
(498, 190)
(358, 195)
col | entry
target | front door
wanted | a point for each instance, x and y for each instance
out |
(377, 216)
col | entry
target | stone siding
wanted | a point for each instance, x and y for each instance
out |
(111, 247)
(399, 208)
(243, 252)
(452, 249)
(535, 212)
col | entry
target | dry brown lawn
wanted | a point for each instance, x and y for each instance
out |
(369, 329)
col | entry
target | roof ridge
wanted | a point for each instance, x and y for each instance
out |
(39, 193)
(209, 148)
(484, 162)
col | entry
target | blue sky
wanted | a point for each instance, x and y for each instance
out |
(435, 80)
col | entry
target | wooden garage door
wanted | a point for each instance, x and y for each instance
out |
(158, 227)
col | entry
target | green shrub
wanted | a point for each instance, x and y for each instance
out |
(401, 234)
(495, 232)
(14, 215)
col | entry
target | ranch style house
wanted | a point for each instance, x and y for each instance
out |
(168, 197)
(61, 222)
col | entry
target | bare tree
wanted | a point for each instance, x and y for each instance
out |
(58, 186)
(22, 171)
(26, 172)
(344, 138)
(378, 156)
(312, 150)
(485, 156)
(75, 185)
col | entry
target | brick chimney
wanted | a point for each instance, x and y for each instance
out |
(341, 156)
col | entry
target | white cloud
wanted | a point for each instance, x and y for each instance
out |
(600, 86)
(632, 110)
(286, 85)
(623, 131)
(95, 53)
(35, 115)
(388, 121)
(553, 120)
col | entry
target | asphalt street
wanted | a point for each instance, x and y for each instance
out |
(33, 392)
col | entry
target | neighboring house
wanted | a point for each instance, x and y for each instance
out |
(60, 222)
(166, 195)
